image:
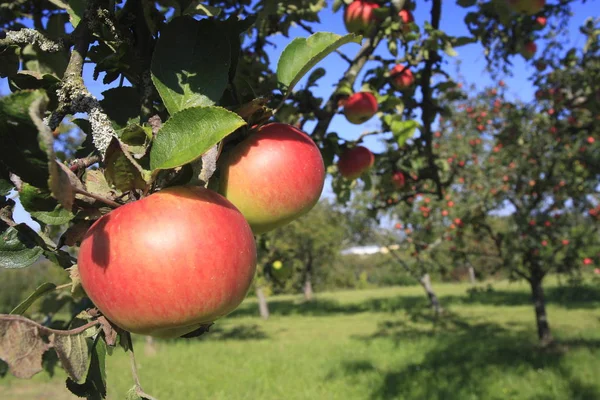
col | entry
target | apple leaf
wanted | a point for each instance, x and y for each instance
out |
(17, 248)
(39, 292)
(401, 129)
(190, 133)
(74, 354)
(43, 207)
(304, 53)
(22, 346)
(122, 170)
(19, 148)
(122, 105)
(94, 386)
(190, 65)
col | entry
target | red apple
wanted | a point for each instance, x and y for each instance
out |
(528, 7)
(360, 107)
(407, 19)
(402, 77)
(353, 162)
(360, 17)
(274, 176)
(588, 261)
(597, 271)
(169, 263)
(398, 180)
(528, 51)
(540, 22)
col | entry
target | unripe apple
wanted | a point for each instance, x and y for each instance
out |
(528, 7)
(529, 49)
(354, 162)
(169, 263)
(360, 17)
(407, 19)
(360, 107)
(280, 271)
(398, 180)
(402, 77)
(273, 177)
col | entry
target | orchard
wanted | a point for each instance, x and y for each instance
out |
(224, 155)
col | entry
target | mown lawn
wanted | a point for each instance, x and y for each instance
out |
(372, 344)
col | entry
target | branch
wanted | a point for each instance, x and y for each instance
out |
(49, 331)
(31, 36)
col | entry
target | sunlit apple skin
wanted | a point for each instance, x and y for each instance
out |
(169, 263)
(360, 107)
(354, 162)
(528, 7)
(359, 17)
(402, 77)
(274, 176)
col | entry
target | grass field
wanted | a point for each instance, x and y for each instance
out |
(372, 344)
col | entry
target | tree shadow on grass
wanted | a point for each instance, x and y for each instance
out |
(238, 332)
(466, 358)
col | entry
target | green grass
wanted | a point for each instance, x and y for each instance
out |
(372, 344)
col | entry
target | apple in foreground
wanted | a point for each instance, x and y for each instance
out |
(360, 107)
(354, 162)
(360, 17)
(402, 77)
(167, 264)
(273, 177)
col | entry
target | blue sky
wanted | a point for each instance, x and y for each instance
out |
(472, 63)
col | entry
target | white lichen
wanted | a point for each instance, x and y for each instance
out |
(31, 36)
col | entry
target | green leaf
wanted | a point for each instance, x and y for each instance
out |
(43, 207)
(448, 49)
(122, 105)
(39, 292)
(76, 10)
(466, 3)
(401, 129)
(9, 61)
(121, 169)
(74, 354)
(17, 247)
(190, 65)
(317, 74)
(303, 54)
(95, 183)
(94, 387)
(19, 148)
(189, 134)
(5, 183)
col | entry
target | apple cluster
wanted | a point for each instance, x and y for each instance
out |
(182, 257)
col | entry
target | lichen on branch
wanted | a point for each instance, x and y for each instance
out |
(31, 36)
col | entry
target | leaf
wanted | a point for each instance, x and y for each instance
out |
(5, 183)
(96, 183)
(466, 3)
(448, 49)
(122, 105)
(303, 54)
(74, 354)
(317, 74)
(94, 386)
(19, 148)
(39, 292)
(121, 170)
(43, 207)
(402, 130)
(9, 61)
(190, 65)
(17, 248)
(189, 134)
(76, 10)
(21, 346)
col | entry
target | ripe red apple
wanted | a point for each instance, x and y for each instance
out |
(360, 17)
(398, 180)
(360, 107)
(402, 77)
(588, 261)
(528, 7)
(407, 19)
(169, 263)
(353, 162)
(528, 51)
(540, 22)
(274, 176)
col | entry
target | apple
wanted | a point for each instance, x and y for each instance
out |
(402, 77)
(360, 107)
(540, 22)
(528, 51)
(353, 162)
(360, 17)
(588, 261)
(273, 177)
(407, 19)
(398, 179)
(597, 271)
(169, 263)
(528, 7)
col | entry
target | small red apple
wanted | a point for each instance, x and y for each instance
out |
(597, 271)
(169, 263)
(402, 77)
(565, 242)
(398, 180)
(540, 22)
(354, 162)
(407, 19)
(360, 107)
(360, 17)
(529, 49)
(274, 176)
(588, 261)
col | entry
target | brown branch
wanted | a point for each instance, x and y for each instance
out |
(96, 197)
(83, 163)
(49, 331)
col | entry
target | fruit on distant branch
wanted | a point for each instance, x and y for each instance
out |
(407, 18)
(273, 177)
(355, 161)
(540, 22)
(360, 107)
(529, 49)
(398, 180)
(588, 261)
(169, 263)
(402, 77)
(360, 17)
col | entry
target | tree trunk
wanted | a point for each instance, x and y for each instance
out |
(472, 277)
(425, 281)
(308, 289)
(541, 318)
(263, 306)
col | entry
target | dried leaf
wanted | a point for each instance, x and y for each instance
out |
(21, 346)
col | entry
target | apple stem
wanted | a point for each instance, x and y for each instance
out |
(134, 372)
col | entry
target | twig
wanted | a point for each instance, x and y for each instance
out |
(83, 163)
(134, 372)
(96, 197)
(49, 331)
